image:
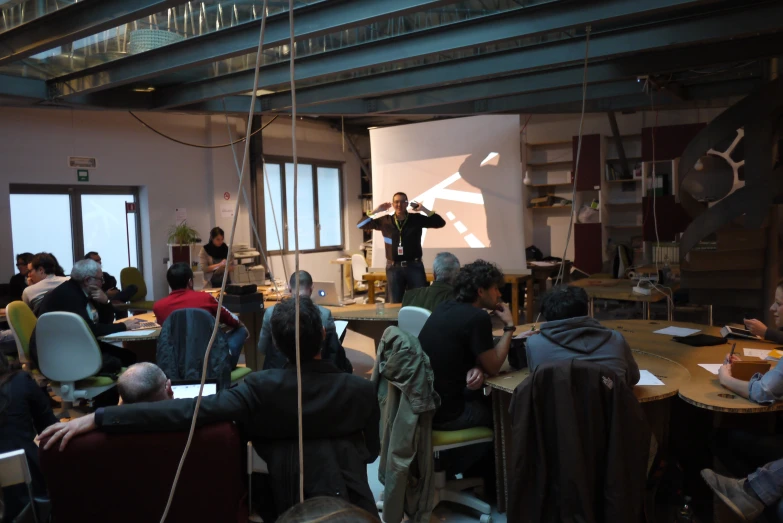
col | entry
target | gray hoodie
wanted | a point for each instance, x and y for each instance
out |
(585, 339)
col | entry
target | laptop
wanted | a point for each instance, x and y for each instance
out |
(325, 293)
(190, 388)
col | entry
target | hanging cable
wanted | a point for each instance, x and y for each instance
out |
(225, 274)
(561, 271)
(145, 124)
(292, 47)
(249, 210)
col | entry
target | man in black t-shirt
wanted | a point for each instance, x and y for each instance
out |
(402, 242)
(457, 337)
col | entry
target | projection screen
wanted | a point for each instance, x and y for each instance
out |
(468, 170)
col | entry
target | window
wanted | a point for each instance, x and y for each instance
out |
(77, 220)
(319, 205)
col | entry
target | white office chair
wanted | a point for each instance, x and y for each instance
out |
(254, 464)
(68, 354)
(358, 270)
(14, 471)
(412, 319)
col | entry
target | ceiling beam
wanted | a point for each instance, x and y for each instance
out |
(73, 22)
(524, 22)
(647, 39)
(310, 21)
(19, 87)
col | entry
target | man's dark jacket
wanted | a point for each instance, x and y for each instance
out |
(69, 297)
(340, 419)
(581, 443)
(428, 297)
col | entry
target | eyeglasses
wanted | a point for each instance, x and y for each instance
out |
(21, 265)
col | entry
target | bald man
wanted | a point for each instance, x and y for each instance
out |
(144, 382)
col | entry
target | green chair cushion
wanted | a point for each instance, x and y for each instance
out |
(239, 373)
(452, 437)
(93, 381)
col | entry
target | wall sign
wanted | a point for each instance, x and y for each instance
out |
(84, 162)
(226, 196)
(83, 175)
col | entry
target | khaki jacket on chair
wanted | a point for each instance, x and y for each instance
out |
(403, 382)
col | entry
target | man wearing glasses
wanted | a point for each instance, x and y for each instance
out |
(19, 281)
(110, 283)
(82, 295)
(402, 241)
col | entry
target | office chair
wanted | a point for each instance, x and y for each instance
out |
(68, 355)
(22, 322)
(132, 276)
(14, 470)
(412, 319)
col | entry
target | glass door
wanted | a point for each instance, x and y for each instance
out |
(110, 230)
(42, 222)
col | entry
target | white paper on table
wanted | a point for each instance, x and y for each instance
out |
(757, 353)
(711, 367)
(676, 331)
(131, 334)
(648, 378)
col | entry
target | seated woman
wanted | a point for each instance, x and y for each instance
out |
(24, 412)
(759, 329)
(212, 259)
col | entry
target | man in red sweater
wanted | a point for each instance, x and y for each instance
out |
(180, 278)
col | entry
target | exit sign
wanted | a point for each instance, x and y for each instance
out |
(83, 175)
(130, 207)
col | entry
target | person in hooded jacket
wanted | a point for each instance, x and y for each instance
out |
(570, 333)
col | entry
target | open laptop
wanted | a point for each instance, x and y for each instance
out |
(325, 293)
(190, 388)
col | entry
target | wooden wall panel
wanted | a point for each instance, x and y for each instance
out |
(670, 140)
(590, 167)
(587, 247)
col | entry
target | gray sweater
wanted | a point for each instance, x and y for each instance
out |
(585, 339)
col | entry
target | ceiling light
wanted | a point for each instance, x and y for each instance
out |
(143, 89)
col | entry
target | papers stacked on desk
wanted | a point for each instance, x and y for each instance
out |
(129, 334)
(648, 378)
(676, 331)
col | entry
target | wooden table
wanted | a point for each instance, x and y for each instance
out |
(513, 279)
(342, 262)
(622, 290)
(368, 312)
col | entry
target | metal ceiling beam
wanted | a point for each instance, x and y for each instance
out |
(310, 21)
(22, 87)
(728, 26)
(521, 23)
(241, 105)
(70, 23)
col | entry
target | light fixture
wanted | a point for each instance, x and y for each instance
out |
(143, 89)
(698, 165)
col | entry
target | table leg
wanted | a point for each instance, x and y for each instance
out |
(529, 300)
(591, 307)
(646, 314)
(371, 291)
(500, 484)
(341, 268)
(515, 302)
(670, 309)
(506, 443)
(709, 312)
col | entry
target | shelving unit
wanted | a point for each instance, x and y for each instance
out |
(551, 207)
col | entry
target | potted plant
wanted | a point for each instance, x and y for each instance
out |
(181, 237)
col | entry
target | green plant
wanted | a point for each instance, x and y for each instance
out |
(183, 234)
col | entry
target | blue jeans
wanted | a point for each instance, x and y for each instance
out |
(236, 340)
(767, 482)
(399, 279)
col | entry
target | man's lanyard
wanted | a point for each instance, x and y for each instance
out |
(400, 227)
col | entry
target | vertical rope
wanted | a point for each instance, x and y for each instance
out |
(292, 46)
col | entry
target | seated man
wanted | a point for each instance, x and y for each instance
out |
(82, 295)
(142, 383)
(180, 278)
(332, 349)
(457, 337)
(110, 283)
(18, 282)
(445, 269)
(570, 333)
(41, 278)
(340, 416)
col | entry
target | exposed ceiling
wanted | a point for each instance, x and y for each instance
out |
(377, 62)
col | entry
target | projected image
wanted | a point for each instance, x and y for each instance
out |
(468, 170)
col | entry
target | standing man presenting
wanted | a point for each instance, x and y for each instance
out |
(402, 240)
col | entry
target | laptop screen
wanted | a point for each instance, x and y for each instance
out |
(190, 390)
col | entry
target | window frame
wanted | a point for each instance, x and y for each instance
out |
(315, 164)
(75, 193)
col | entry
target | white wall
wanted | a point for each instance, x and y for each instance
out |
(317, 140)
(37, 142)
(557, 127)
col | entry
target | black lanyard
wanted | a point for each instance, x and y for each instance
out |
(400, 227)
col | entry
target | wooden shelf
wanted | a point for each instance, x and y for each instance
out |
(623, 226)
(548, 144)
(623, 204)
(629, 158)
(545, 164)
(551, 207)
(550, 184)
(628, 180)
